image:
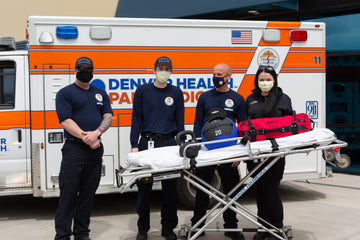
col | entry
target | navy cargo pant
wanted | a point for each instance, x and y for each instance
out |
(79, 178)
(229, 179)
(169, 219)
(268, 200)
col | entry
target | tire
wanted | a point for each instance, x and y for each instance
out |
(186, 192)
(328, 155)
(346, 161)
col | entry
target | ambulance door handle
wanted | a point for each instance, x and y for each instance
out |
(19, 136)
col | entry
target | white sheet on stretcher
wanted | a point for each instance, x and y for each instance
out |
(168, 157)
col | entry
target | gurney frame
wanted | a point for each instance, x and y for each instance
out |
(266, 159)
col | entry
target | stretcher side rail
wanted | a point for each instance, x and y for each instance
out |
(258, 154)
(137, 172)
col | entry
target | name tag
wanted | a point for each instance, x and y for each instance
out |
(150, 144)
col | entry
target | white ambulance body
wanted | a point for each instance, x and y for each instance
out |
(124, 51)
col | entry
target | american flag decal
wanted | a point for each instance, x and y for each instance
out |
(241, 37)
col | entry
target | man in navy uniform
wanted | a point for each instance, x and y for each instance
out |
(234, 105)
(158, 115)
(85, 113)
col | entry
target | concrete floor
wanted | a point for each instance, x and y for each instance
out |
(323, 209)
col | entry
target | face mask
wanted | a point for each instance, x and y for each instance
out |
(218, 81)
(84, 76)
(162, 76)
(266, 86)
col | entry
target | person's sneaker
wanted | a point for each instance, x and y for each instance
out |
(234, 235)
(141, 236)
(168, 234)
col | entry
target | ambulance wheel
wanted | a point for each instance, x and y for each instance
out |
(328, 155)
(186, 192)
(345, 161)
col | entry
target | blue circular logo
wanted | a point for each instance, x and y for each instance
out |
(98, 83)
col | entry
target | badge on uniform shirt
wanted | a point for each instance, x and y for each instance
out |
(151, 144)
(99, 98)
(229, 103)
(169, 101)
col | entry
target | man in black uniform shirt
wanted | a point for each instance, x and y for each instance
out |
(234, 105)
(85, 113)
(158, 115)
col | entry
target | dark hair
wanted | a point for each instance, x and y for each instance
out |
(274, 94)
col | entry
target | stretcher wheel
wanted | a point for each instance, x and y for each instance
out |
(328, 155)
(345, 161)
(182, 234)
(288, 232)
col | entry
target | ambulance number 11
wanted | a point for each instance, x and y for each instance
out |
(317, 60)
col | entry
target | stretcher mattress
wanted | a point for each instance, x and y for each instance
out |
(169, 157)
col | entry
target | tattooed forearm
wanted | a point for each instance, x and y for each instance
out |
(105, 123)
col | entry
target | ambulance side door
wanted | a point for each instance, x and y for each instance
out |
(56, 77)
(15, 166)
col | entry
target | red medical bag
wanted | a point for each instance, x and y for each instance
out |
(261, 128)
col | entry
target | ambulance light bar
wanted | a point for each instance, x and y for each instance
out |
(67, 32)
(298, 35)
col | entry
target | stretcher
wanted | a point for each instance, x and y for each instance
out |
(180, 161)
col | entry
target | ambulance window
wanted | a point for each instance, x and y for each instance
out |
(7, 84)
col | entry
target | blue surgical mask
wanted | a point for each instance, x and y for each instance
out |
(218, 81)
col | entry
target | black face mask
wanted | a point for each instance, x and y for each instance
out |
(84, 76)
(218, 81)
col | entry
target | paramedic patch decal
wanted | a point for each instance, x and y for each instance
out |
(229, 103)
(98, 97)
(241, 37)
(268, 57)
(169, 101)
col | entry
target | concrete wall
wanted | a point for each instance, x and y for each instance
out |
(14, 13)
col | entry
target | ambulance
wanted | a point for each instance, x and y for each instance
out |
(124, 51)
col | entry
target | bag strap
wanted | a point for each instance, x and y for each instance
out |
(245, 139)
(312, 122)
(294, 126)
(274, 144)
(252, 131)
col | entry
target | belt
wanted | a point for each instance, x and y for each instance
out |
(157, 136)
(76, 140)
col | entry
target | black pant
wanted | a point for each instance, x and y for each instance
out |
(268, 200)
(169, 219)
(78, 180)
(229, 179)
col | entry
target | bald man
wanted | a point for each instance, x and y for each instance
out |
(234, 105)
